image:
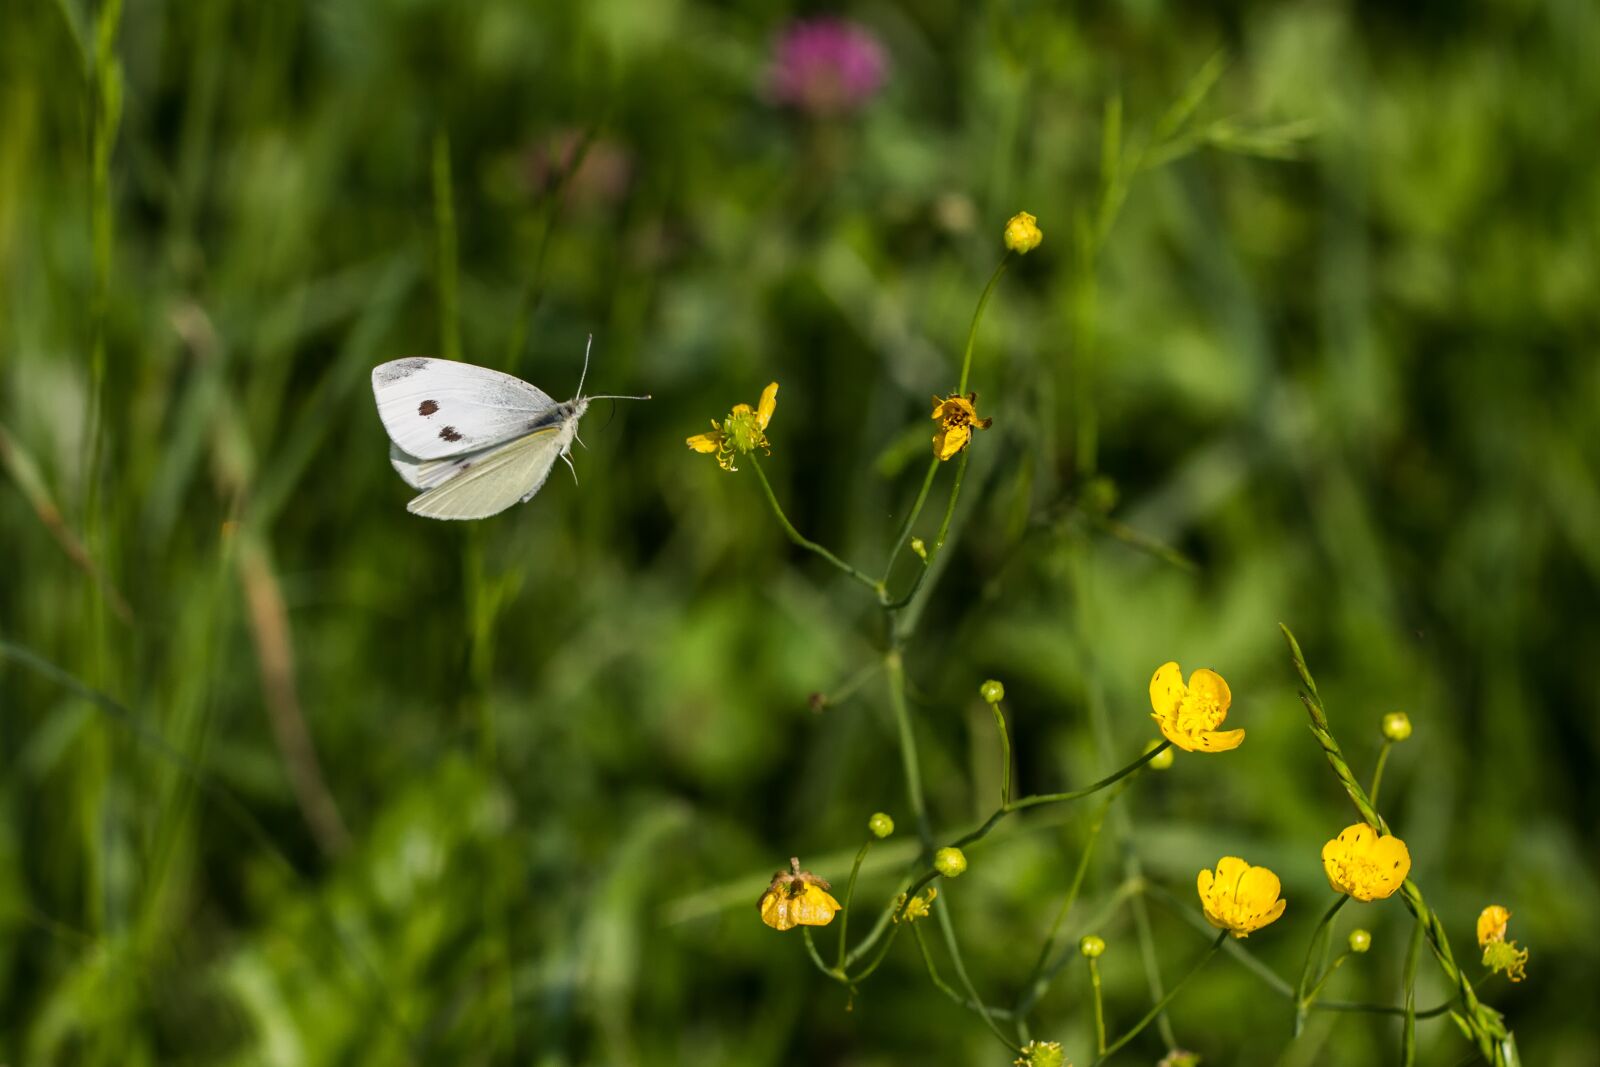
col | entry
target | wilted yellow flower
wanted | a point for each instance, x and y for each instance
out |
(1238, 897)
(1498, 953)
(1364, 864)
(1190, 714)
(1492, 924)
(1042, 1054)
(796, 898)
(918, 907)
(1023, 234)
(741, 433)
(956, 416)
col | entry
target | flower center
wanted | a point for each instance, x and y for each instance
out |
(1198, 713)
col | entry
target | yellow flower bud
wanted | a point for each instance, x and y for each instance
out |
(992, 691)
(1092, 947)
(1023, 234)
(920, 549)
(950, 862)
(1396, 726)
(1360, 941)
(880, 825)
(1162, 760)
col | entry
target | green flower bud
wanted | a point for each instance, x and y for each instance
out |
(1161, 762)
(1092, 947)
(1360, 941)
(1100, 496)
(1180, 1058)
(1396, 726)
(880, 825)
(950, 862)
(992, 691)
(919, 548)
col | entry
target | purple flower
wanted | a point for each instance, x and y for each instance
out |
(827, 66)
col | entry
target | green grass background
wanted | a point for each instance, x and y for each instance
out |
(558, 752)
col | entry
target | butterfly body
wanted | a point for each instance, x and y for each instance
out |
(474, 440)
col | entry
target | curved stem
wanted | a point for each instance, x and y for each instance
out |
(1162, 1003)
(943, 986)
(1377, 773)
(877, 961)
(895, 668)
(816, 957)
(1305, 993)
(802, 541)
(904, 535)
(977, 317)
(849, 894)
(954, 948)
(1005, 755)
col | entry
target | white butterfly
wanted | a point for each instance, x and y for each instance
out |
(474, 440)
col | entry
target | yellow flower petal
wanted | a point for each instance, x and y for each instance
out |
(767, 405)
(775, 910)
(1492, 924)
(814, 906)
(1207, 686)
(705, 442)
(1166, 690)
(1218, 740)
(949, 441)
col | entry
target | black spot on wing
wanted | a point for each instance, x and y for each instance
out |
(427, 407)
(450, 434)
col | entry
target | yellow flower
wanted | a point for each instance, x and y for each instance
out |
(956, 416)
(918, 907)
(741, 433)
(1498, 953)
(1364, 864)
(1190, 714)
(1023, 234)
(796, 898)
(1238, 897)
(1492, 924)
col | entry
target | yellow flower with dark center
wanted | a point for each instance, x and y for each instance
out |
(797, 898)
(1364, 864)
(742, 432)
(956, 415)
(1498, 953)
(1240, 898)
(1190, 714)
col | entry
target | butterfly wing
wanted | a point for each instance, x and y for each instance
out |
(488, 482)
(434, 408)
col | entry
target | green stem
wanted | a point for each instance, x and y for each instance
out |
(911, 517)
(809, 545)
(1408, 1032)
(1377, 773)
(849, 894)
(943, 986)
(977, 317)
(816, 957)
(895, 669)
(1338, 961)
(946, 928)
(877, 961)
(1005, 755)
(1315, 949)
(1099, 1009)
(1161, 1005)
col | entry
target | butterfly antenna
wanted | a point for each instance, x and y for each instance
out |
(585, 372)
(608, 396)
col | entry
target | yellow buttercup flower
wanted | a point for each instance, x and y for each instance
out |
(1190, 714)
(918, 907)
(956, 416)
(796, 898)
(1240, 898)
(1498, 953)
(742, 432)
(1365, 865)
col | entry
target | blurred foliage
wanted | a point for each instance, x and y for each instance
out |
(549, 760)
